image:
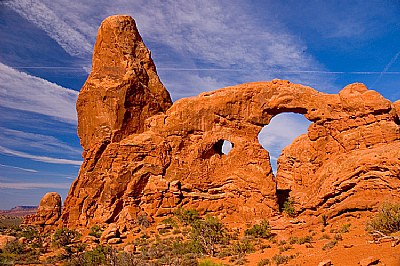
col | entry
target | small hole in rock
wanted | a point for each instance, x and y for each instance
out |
(226, 147)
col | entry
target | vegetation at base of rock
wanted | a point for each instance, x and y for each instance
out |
(208, 233)
(17, 253)
(64, 236)
(95, 231)
(187, 216)
(387, 220)
(170, 221)
(262, 230)
(288, 208)
(209, 263)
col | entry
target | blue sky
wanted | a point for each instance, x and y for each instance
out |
(45, 57)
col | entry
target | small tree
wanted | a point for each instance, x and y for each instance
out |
(288, 208)
(262, 230)
(208, 233)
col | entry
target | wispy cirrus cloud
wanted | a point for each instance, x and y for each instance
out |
(21, 140)
(68, 37)
(21, 91)
(15, 185)
(44, 159)
(19, 168)
(222, 35)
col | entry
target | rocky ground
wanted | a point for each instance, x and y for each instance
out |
(185, 238)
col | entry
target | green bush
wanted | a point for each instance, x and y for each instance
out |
(170, 221)
(208, 234)
(96, 231)
(187, 216)
(288, 208)
(64, 236)
(17, 253)
(262, 230)
(345, 228)
(242, 247)
(209, 262)
(300, 240)
(387, 220)
(279, 259)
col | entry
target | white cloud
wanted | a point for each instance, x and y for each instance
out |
(21, 91)
(280, 132)
(19, 168)
(223, 34)
(43, 159)
(68, 37)
(34, 185)
(17, 139)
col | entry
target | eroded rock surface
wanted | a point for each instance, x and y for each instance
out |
(144, 158)
(48, 212)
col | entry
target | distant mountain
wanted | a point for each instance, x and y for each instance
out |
(19, 211)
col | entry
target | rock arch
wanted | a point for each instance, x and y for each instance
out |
(347, 161)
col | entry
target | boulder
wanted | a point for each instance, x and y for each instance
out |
(110, 232)
(48, 212)
(4, 240)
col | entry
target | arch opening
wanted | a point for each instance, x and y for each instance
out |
(221, 147)
(226, 147)
(282, 130)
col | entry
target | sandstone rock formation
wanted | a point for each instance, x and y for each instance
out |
(144, 158)
(48, 212)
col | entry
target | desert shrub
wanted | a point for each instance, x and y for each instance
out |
(28, 232)
(282, 242)
(300, 240)
(170, 221)
(262, 230)
(242, 247)
(264, 262)
(338, 237)
(387, 220)
(330, 244)
(279, 259)
(209, 262)
(64, 236)
(15, 252)
(208, 234)
(97, 256)
(325, 236)
(345, 228)
(95, 231)
(285, 248)
(324, 220)
(187, 216)
(288, 207)
(143, 221)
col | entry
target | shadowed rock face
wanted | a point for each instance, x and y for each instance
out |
(144, 156)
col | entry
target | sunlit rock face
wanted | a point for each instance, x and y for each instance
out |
(48, 212)
(145, 156)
